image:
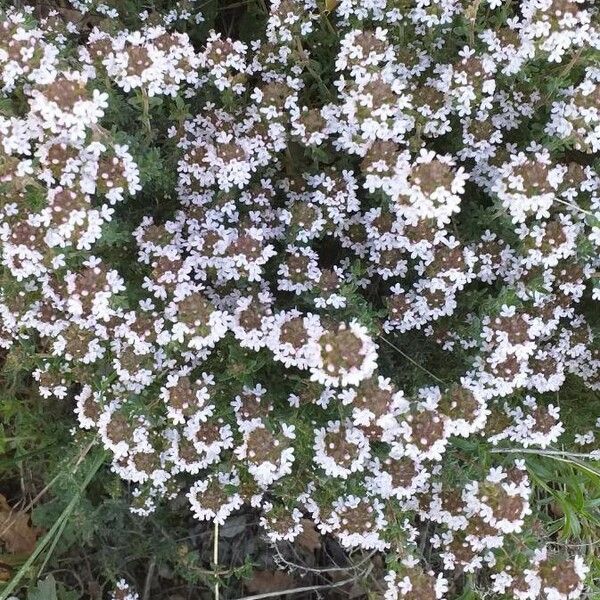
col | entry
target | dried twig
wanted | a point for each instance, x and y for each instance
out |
(320, 570)
(216, 558)
(540, 452)
(148, 581)
(309, 588)
(414, 362)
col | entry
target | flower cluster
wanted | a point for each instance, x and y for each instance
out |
(342, 204)
(124, 591)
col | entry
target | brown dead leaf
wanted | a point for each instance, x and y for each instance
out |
(15, 531)
(263, 582)
(309, 538)
(5, 574)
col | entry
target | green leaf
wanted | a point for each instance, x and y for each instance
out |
(572, 526)
(45, 590)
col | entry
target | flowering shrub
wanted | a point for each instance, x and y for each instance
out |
(341, 269)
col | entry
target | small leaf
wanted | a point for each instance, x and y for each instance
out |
(45, 590)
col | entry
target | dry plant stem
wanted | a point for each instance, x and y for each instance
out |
(216, 559)
(473, 10)
(22, 480)
(414, 362)
(572, 458)
(148, 581)
(146, 112)
(541, 452)
(310, 588)
(571, 63)
(575, 207)
(317, 570)
(562, 74)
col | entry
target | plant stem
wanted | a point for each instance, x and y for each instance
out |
(310, 588)
(216, 558)
(148, 581)
(146, 112)
(540, 452)
(414, 362)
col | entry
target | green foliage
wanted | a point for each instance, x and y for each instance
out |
(48, 589)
